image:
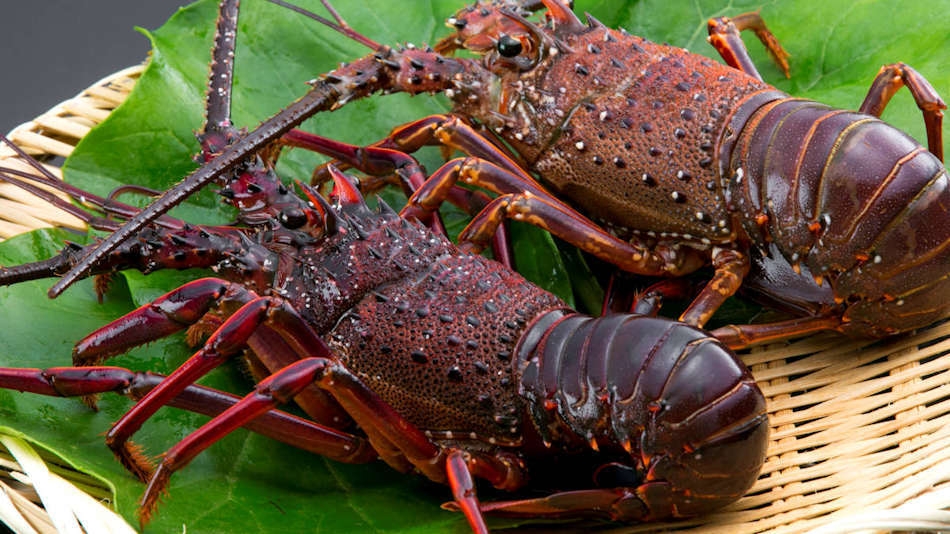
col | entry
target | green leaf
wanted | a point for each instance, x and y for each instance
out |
(249, 483)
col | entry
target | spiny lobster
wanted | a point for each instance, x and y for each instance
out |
(400, 345)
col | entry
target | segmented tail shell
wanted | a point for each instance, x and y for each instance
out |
(683, 406)
(852, 205)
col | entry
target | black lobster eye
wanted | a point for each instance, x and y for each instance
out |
(508, 46)
(292, 218)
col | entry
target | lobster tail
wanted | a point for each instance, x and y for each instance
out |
(850, 213)
(682, 405)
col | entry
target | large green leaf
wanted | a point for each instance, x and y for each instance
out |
(249, 483)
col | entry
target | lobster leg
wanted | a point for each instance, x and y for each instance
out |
(162, 317)
(390, 157)
(742, 336)
(394, 437)
(617, 504)
(724, 36)
(227, 341)
(522, 200)
(275, 424)
(889, 80)
(378, 161)
(731, 266)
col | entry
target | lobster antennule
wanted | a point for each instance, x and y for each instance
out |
(19, 178)
(25, 180)
(339, 25)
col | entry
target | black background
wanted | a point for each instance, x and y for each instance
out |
(50, 50)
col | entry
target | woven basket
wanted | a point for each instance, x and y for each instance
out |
(51, 135)
(860, 429)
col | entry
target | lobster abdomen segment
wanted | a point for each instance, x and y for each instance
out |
(851, 211)
(683, 406)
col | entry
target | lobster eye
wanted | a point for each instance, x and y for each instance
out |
(508, 46)
(292, 218)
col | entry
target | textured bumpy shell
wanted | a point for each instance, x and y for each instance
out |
(834, 208)
(430, 330)
(626, 129)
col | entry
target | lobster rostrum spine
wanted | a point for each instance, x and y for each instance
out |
(448, 364)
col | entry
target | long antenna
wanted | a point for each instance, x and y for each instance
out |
(218, 100)
(340, 25)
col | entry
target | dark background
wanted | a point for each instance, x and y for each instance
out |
(50, 50)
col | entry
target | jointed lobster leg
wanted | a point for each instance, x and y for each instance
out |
(547, 213)
(399, 442)
(282, 426)
(390, 157)
(724, 36)
(889, 80)
(390, 154)
(228, 340)
(742, 336)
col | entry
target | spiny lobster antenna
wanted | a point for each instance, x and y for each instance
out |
(339, 25)
(218, 118)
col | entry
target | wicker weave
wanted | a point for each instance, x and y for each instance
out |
(860, 429)
(55, 134)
